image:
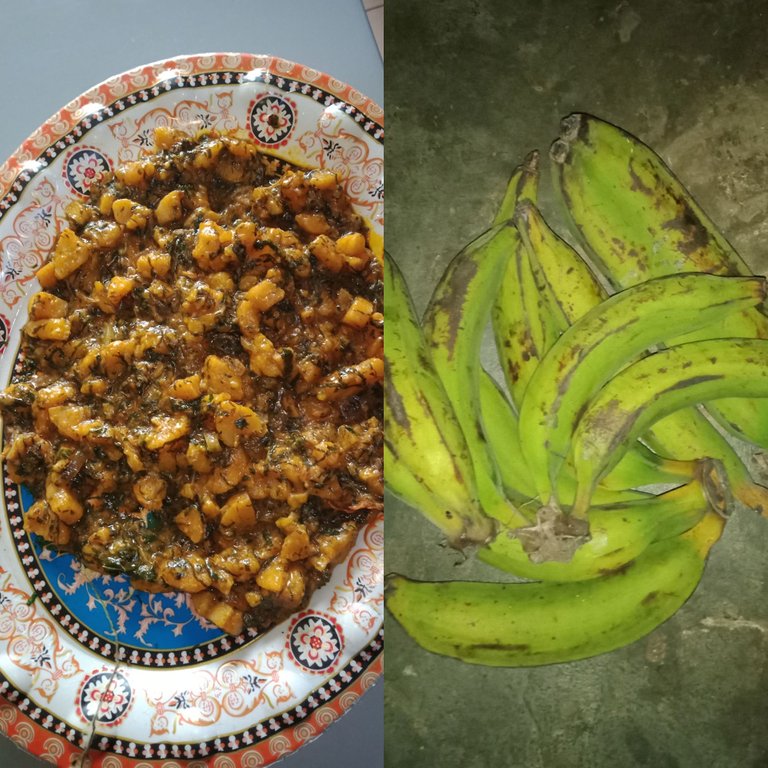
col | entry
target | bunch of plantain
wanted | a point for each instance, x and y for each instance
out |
(598, 466)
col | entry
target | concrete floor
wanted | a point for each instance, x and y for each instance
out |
(471, 86)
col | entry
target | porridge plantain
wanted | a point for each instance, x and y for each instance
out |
(199, 401)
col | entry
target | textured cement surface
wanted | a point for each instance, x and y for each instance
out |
(471, 86)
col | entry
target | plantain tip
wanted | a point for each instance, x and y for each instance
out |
(390, 584)
(559, 152)
(531, 161)
(762, 290)
(570, 127)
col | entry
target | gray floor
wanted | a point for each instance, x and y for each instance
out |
(471, 87)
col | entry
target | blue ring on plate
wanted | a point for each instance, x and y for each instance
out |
(105, 614)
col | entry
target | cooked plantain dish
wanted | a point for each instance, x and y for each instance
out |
(198, 400)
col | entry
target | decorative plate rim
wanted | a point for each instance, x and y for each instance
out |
(19, 718)
(31, 150)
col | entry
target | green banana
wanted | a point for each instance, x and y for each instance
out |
(520, 625)
(640, 467)
(448, 514)
(550, 289)
(635, 398)
(618, 533)
(620, 529)
(524, 325)
(575, 288)
(427, 452)
(685, 435)
(603, 174)
(522, 185)
(688, 435)
(603, 341)
(638, 221)
(501, 428)
(453, 324)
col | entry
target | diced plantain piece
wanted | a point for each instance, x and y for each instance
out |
(70, 253)
(295, 586)
(170, 208)
(187, 388)
(46, 275)
(238, 513)
(44, 305)
(150, 491)
(218, 612)
(66, 419)
(190, 523)
(179, 574)
(234, 422)
(63, 503)
(264, 359)
(273, 577)
(41, 520)
(118, 288)
(296, 545)
(224, 375)
(167, 429)
(55, 329)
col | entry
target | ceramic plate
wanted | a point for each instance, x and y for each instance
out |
(85, 659)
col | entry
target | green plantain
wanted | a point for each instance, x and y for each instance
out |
(524, 324)
(621, 526)
(638, 221)
(547, 287)
(448, 513)
(605, 340)
(453, 324)
(685, 435)
(523, 625)
(618, 533)
(644, 392)
(523, 185)
(574, 287)
(428, 463)
(688, 435)
(637, 468)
